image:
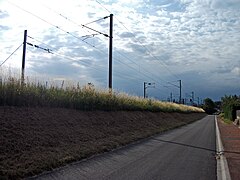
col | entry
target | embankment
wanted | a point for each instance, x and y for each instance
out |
(34, 140)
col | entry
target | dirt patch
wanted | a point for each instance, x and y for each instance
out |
(37, 139)
(230, 135)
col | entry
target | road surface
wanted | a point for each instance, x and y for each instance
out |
(185, 153)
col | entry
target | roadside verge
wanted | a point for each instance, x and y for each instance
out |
(34, 140)
(222, 165)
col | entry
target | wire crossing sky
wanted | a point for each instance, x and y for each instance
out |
(154, 41)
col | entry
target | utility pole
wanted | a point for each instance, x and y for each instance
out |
(24, 55)
(110, 36)
(192, 97)
(171, 97)
(110, 51)
(145, 86)
(180, 93)
(144, 89)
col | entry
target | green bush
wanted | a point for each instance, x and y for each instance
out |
(229, 105)
(209, 106)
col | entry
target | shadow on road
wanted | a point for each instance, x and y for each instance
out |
(196, 147)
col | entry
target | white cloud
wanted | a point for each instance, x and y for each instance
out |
(236, 71)
(184, 35)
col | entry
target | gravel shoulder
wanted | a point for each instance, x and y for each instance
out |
(230, 135)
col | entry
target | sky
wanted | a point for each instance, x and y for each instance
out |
(158, 42)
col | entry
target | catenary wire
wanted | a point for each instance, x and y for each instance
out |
(144, 46)
(51, 24)
(57, 27)
(10, 55)
(67, 57)
(77, 24)
(139, 42)
(65, 17)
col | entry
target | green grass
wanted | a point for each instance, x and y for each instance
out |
(225, 120)
(12, 93)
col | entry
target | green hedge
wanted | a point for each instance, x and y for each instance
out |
(229, 106)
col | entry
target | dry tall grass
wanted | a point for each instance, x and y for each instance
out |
(12, 93)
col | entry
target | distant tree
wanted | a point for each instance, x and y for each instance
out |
(218, 104)
(209, 106)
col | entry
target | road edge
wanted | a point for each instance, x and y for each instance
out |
(222, 165)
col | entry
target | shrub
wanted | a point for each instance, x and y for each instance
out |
(229, 106)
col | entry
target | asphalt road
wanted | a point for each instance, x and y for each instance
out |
(182, 154)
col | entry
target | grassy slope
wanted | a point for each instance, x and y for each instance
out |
(38, 139)
(86, 98)
(45, 127)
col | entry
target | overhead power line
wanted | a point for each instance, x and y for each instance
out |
(103, 6)
(57, 27)
(41, 42)
(145, 70)
(10, 55)
(140, 44)
(141, 74)
(110, 37)
(97, 20)
(39, 47)
(50, 50)
(144, 46)
(80, 25)
(106, 35)
(62, 55)
(80, 62)
(57, 49)
(174, 84)
(86, 28)
(120, 74)
(71, 33)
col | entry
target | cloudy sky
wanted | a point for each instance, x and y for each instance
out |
(157, 41)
